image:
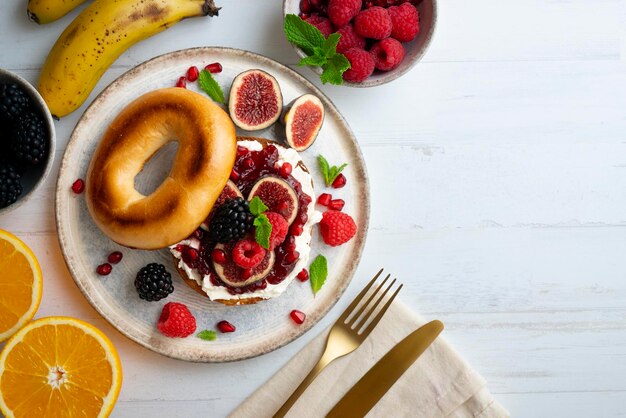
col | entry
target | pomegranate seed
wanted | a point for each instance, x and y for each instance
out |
(190, 255)
(182, 83)
(246, 273)
(304, 16)
(339, 182)
(303, 276)
(324, 199)
(285, 170)
(302, 218)
(261, 285)
(305, 6)
(336, 204)
(296, 230)
(292, 256)
(248, 163)
(216, 67)
(241, 150)
(234, 176)
(225, 326)
(115, 257)
(297, 316)
(219, 256)
(78, 186)
(193, 73)
(290, 246)
(104, 269)
(179, 248)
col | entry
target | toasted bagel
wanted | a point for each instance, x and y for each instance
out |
(202, 165)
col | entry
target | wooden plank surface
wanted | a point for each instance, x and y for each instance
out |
(498, 192)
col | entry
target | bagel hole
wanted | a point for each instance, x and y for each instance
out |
(156, 169)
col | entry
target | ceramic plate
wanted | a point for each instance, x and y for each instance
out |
(262, 327)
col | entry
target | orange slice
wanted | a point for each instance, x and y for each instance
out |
(59, 367)
(20, 284)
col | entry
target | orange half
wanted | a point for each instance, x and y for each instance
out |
(20, 284)
(59, 367)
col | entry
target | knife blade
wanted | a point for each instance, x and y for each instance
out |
(379, 379)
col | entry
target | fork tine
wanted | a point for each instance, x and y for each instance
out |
(368, 301)
(357, 299)
(375, 321)
(358, 324)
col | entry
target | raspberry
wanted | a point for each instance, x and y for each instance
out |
(248, 253)
(349, 39)
(374, 23)
(322, 24)
(361, 65)
(176, 321)
(387, 54)
(341, 12)
(404, 21)
(279, 229)
(337, 228)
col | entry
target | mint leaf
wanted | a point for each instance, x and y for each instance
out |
(257, 206)
(209, 86)
(329, 173)
(318, 271)
(335, 66)
(302, 34)
(313, 60)
(262, 231)
(329, 47)
(207, 335)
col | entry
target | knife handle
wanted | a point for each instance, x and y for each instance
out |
(324, 361)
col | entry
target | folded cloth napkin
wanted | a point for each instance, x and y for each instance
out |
(439, 384)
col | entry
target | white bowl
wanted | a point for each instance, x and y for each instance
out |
(34, 177)
(414, 49)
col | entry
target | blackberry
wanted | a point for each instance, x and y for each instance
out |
(29, 140)
(13, 101)
(10, 186)
(153, 282)
(232, 221)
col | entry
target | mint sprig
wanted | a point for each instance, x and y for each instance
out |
(318, 271)
(329, 172)
(262, 231)
(207, 335)
(209, 86)
(257, 206)
(321, 52)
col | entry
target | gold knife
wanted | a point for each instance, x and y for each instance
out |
(377, 381)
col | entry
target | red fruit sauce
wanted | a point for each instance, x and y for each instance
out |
(250, 166)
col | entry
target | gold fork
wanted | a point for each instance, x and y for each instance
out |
(347, 334)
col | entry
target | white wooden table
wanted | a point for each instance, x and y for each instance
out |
(498, 182)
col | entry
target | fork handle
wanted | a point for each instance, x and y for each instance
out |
(324, 361)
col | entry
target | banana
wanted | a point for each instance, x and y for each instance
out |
(97, 37)
(46, 11)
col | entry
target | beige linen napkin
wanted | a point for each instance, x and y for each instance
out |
(439, 384)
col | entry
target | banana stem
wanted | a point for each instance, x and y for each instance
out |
(209, 8)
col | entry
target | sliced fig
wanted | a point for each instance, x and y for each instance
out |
(230, 191)
(277, 195)
(233, 275)
(304, 121)
(255, 100)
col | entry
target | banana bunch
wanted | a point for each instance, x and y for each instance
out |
(97, 37)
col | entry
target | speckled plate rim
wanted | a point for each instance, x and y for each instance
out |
(312, 317)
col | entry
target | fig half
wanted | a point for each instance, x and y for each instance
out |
(256, 101)
(231, 274)
(304, 121)
(277, 195)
